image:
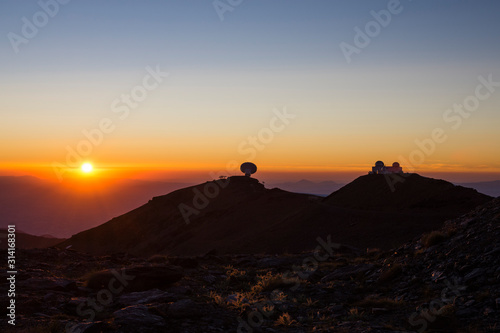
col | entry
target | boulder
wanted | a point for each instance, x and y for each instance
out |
(346, 273)
(137, 318)
(148, 296)
(137, 278)
(184, 308)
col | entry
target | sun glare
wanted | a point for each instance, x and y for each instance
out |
(87, 167)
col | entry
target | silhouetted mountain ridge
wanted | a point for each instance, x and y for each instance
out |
(240, 215)
(27, 241)
(241, 209)
(407, 191)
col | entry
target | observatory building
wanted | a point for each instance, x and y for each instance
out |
(380, 168)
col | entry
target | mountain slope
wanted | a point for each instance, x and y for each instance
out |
(245, 217)
(449, 285)
(229, 223)
(410, 191)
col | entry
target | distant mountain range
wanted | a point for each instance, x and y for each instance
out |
(242, 216)
(490, 188)
(27, 241)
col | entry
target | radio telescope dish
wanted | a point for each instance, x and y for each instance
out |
(248, 168)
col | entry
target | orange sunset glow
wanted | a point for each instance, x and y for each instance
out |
(250, 166)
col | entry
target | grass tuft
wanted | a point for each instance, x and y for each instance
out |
(433, 238)
(285, 320)
(393, 272)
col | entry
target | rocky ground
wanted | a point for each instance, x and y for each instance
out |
(446, 281)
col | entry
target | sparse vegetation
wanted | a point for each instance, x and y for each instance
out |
(224, 291)
(97, 279)
(216, 298)
(376, 302)
(285, 320)
(482, 296)
(235, 274)
(309, 302)
(240, 302)
(390, 274)
(355, 314)
(433, 238)
(158, 258)
(270, 282)
(447, 310)
(373, 252)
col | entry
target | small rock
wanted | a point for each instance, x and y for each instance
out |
(476, 272)
(49, 297)
(55, 284)
(137, 278)
(90, 327)
(274, 262)
(137, 317)
(148, 296)
(209, 278)
(437, 275)
(336, 308)
(187, 262)
(376, 311)
(469, 303)
(183, 309)
(345, 273)
(488, 311)
(465, 313)
(180, 290)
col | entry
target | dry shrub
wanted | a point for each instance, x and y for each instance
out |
(285, 320)
(390, 274)
(433, 238)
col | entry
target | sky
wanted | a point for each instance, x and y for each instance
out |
(188, 90)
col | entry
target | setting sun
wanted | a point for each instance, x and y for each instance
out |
(87, 167)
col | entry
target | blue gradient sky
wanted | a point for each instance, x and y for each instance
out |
(227, 76)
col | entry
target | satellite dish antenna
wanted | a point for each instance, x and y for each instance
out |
(248, 168)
